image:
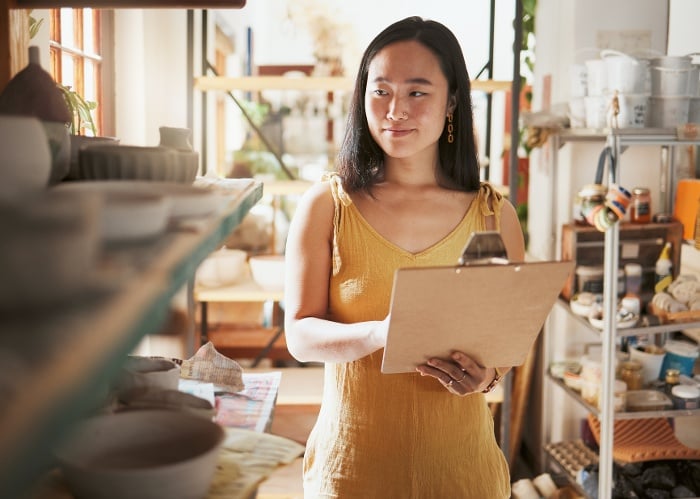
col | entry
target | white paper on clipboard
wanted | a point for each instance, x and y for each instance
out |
(491, 312)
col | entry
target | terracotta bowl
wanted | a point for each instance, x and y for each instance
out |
(145, 454)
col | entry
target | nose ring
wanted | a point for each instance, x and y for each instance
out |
(404, 115)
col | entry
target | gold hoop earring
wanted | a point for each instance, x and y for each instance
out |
(450, 129)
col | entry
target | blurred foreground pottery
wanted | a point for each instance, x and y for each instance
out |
(25, 162)
(146, 454)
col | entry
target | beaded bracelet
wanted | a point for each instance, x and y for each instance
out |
(494, 382)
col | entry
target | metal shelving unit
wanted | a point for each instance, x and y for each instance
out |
(619, 140)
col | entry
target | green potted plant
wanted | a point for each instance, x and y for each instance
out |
(81, 111)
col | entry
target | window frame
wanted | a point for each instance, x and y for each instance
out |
(101, 60)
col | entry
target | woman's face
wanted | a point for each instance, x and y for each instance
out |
(407, 99)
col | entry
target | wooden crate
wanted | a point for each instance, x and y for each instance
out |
(639, 243)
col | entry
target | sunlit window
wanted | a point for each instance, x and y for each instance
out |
(76, 58)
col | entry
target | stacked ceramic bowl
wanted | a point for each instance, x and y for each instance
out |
(674, 83)
(627, 90)
(125, 162)
(610, 91)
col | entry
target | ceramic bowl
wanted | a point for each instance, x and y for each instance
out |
(127, 214)
(174, 400)
(49, 251)
(25, 158)
(145, 454)
(268, 271)
(123, 162)
(223, 267)
(80, 142)
(148, 372)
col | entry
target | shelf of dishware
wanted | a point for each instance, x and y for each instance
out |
(627, 136)
(666, 413)
(643, 326)
(58, 363)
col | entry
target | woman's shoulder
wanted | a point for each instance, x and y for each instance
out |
(320, 196)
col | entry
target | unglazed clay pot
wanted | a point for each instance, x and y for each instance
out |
(25, 162)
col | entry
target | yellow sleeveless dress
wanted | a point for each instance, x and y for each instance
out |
(396, 436)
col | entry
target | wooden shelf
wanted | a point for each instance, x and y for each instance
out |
(238, 342)
(67, 357)
(245, 291)
(129, 4)
(331, 83)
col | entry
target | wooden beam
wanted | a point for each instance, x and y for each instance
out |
(14, 41)
(132, 4)
(330, 83)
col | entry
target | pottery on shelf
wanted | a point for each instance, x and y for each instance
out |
(33, 92)
(176, 138)
(25, 162)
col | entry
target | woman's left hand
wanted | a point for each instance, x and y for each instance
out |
(460, 374)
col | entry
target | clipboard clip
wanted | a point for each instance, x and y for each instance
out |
(484, 248)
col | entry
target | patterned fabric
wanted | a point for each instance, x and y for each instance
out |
(396, 436)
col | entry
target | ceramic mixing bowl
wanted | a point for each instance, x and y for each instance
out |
(149, 454)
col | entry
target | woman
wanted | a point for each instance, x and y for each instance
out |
(406, 193)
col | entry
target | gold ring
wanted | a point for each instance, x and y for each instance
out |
(462, 378)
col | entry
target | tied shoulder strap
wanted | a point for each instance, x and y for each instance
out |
(490, 202)
(339, 197)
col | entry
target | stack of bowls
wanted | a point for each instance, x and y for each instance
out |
(596, 87)
(129, 162)
(627, 81)
(674, 79)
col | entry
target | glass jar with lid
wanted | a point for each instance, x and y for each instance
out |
(640, 207)
(631, 374)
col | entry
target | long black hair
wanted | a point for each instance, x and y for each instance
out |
(360, 161)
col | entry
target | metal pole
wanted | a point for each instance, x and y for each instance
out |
(203, 149)
(517, 24)
(606, 414)
(515, 103)
(190, 69)
(489, 95)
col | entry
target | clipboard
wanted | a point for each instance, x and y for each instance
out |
(492, 312)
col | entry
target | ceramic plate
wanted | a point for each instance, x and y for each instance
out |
(185, 200)
(598, 323)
